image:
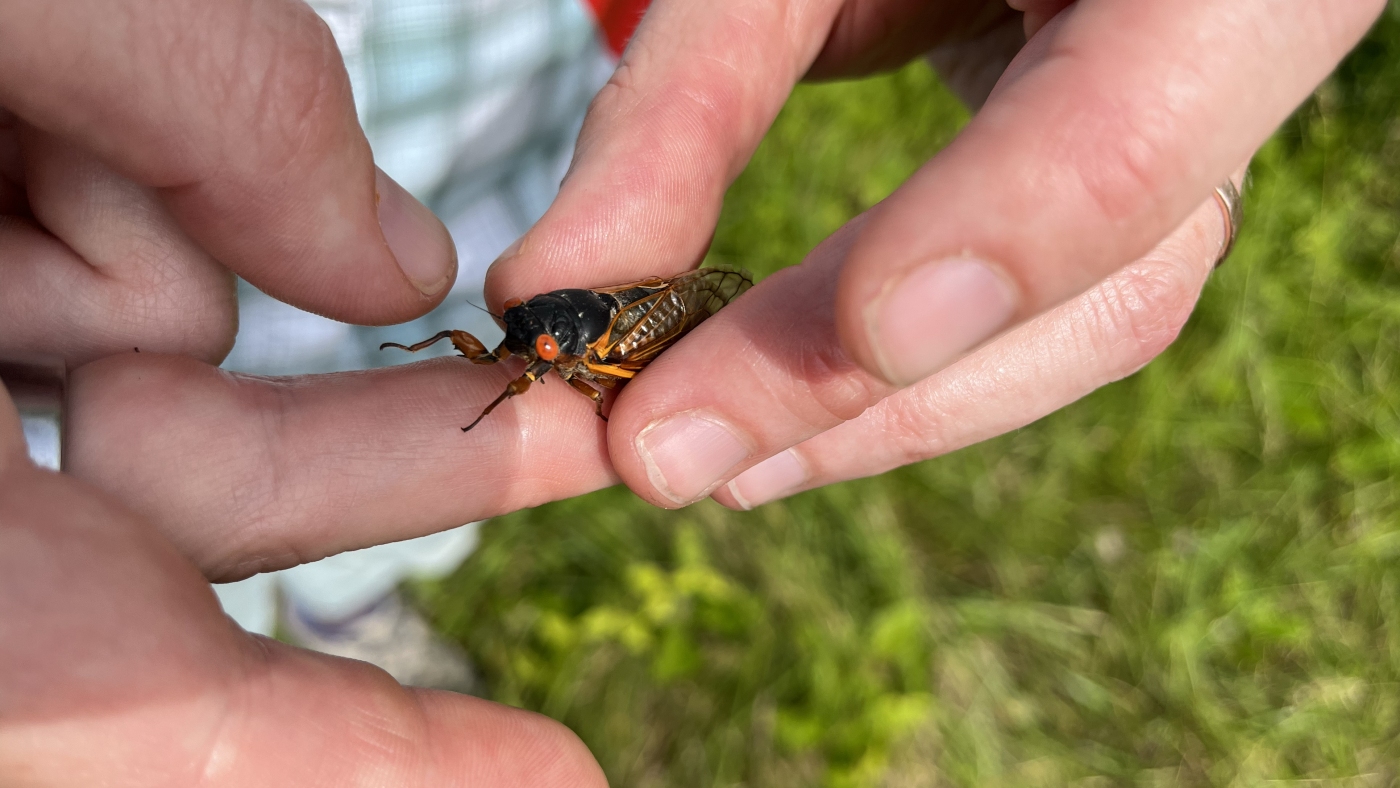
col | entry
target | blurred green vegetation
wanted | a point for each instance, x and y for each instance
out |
(1188, 578)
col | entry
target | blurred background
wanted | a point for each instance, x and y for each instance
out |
(1187, 578)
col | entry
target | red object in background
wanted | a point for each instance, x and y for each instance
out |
(619, 19)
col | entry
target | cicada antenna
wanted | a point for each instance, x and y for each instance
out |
(493, 315)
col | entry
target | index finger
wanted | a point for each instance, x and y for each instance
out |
(694, 93)
(248, 474)
(240, 115)
(697, 88)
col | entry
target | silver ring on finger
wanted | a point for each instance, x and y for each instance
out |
(1227, 196)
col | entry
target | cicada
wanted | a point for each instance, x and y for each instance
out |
(599, 337)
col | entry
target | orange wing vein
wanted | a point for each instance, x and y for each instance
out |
(644, 328)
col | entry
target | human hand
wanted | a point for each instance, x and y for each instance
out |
(1016, 244)
(117, 666)
(147, 149)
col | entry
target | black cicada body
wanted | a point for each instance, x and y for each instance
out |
(601, 336)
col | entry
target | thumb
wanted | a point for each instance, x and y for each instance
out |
(118, 668)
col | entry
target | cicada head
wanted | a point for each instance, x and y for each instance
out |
(544, 328)
(523, 327)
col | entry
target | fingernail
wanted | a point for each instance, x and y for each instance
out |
(688, 454)
(935, 314)
(510, 251)
(769, 480)
(421, 244)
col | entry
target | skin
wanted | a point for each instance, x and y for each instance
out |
(150, 148)
(1104, 134)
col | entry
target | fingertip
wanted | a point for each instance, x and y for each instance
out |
(507, 746)
(776, 477)
(420, 243)
(725, 497)
(687, 455)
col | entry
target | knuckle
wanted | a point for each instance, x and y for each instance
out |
(175, 306)
(264, 490)
(800, 359)
(687, 119)
(908, 427)
(616, 95)
(1123, 149)
(838, 388)
(297, 93)
(1124, 170)
(916, 429)
(1139, 311)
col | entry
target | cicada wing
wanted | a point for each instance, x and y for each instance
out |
(649, 325)
(655, 283)
(715, 287)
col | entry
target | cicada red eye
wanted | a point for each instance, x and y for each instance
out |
(545, 347)
(512, 303)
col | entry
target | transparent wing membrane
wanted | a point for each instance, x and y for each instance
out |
(650, 324)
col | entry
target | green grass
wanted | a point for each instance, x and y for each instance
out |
(1189, 577)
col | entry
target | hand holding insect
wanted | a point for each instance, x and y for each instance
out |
(148, 148)
(1040, 241)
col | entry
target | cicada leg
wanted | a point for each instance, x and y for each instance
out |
(588, 391)
(466, 344)
(518, 386)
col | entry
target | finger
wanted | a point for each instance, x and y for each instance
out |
(768, 372)
(1100, 336)
(695, 90)
(870, 37)
(247, 474)
(12, 199)
(971, 67)
(1036, 14)
(239, 116)
(765, 373)
(118, 668)
(1125, 117)
(103, 268)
